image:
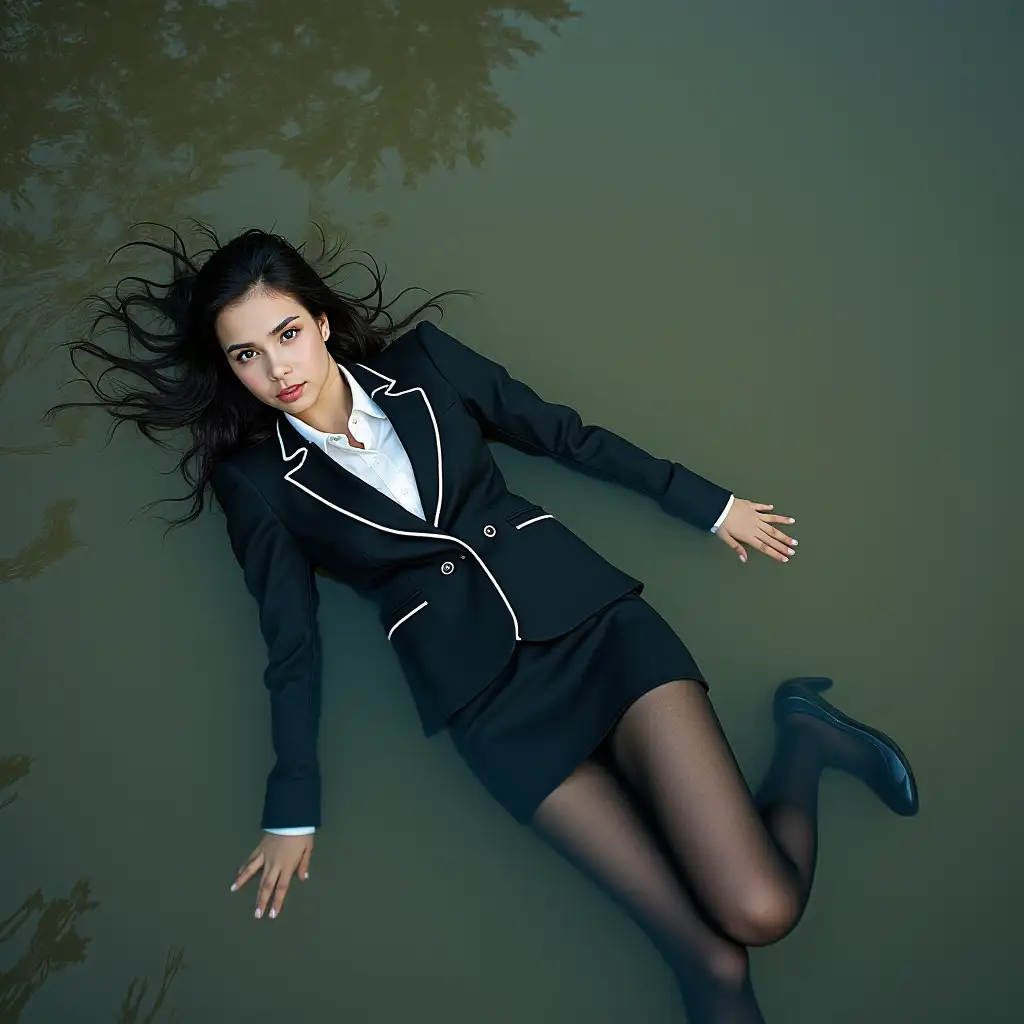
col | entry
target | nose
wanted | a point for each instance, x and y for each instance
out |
(277, 366)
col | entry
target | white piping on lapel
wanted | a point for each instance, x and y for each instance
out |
(385, 529)
(433, 419)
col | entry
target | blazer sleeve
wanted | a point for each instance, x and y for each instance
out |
(512, 412)
(280, 577)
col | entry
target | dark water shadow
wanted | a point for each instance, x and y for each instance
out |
(69, 428)
(53, 945)
(13, 768)
(131, 1007)
(55, 942)
(55, 540)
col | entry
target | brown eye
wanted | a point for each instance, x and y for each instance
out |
(241, 355)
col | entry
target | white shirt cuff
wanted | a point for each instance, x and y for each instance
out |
(725, 512)
(298, 830)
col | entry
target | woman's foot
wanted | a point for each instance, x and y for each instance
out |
(847, 744)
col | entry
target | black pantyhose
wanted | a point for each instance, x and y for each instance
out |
(662, 819)
(593, 822)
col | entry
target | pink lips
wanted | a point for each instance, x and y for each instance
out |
(290, 394)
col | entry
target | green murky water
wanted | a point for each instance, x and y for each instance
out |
(778, 243)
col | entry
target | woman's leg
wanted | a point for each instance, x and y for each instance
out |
(591, 821)
(749, 860)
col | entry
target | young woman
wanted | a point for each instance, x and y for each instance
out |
(332, 437)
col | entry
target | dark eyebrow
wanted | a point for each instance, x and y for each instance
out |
(273, 330)
(284, 323)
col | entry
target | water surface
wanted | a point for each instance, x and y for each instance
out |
(777, 243)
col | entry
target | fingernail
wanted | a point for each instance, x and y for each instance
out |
(306, 875)
(795, 542)
(792, 520)
(789, 551)
(259, 913)
(273, 912)
(785, 559)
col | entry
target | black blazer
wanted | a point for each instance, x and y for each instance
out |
(454, 592)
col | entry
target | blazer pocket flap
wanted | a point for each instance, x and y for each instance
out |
(403, 604)
(528, 516)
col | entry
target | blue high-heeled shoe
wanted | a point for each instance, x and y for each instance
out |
(890, 775)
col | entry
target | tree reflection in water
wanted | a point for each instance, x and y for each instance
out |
(127, 110)
(132, 1004)
(53, 542)
(53, 945)
(55, 942)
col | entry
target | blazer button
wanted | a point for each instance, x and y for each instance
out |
(447, 568)
(489, 531)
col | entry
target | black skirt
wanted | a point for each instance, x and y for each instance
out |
(556, 700)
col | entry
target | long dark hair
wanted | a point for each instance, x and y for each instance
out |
(181, 378)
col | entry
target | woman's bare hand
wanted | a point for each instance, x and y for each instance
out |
(750, 523)
(280, 857)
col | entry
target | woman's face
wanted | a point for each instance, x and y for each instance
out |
(276, 349)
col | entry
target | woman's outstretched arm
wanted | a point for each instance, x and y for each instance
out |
(512, 412)
(281, 579)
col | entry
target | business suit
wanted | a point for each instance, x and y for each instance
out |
(456, 591)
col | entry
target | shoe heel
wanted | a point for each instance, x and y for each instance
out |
(816, 683)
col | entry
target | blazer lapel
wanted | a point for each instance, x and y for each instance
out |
(310, 469)
(415, 421)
